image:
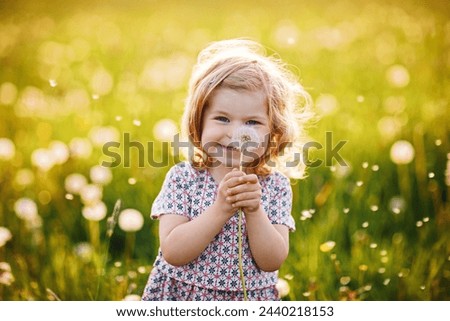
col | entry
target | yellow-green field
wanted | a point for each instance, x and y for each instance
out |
(77, 74)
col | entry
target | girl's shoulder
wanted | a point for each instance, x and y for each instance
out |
(186, 170)
(275, 179)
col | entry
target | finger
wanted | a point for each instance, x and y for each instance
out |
(234, 173)
(250, 178)
(246, 203)
(255, 196)
(242, 188)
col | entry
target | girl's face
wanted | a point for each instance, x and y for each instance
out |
(229, 109)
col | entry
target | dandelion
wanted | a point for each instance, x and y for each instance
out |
(283, 287)
(6, 277)
(91, 194)
(100, 175)
(243, 136)
(132, 181)
(327, 246)
(94, 212)
(102, 135)
(24, 177)
(131, 220)
(365, 225)
(52, 82)
(5, 235)
(398, 76)
(386, 281)
(375, 168)
(80, 147)
(402, 152)
(59, 152)
(43, 159)
(74, 183)
(7, 149)
(374, 208)
(26, 209)
(397, 204)
(359, 183)
(84, 251)
(137, 122)
(164, 130)
(346, 210)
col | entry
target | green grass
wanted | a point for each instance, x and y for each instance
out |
(343, 53)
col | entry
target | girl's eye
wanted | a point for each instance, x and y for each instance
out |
(252, 122)
(222, 119)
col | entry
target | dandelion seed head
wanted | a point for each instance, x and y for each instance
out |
(374, 208)
(94, 212)
(365, 225)
(117, 264)
(373, 245)
(426, 219)
(100, 175)
(118, 118)
(359, 183)
(397, 204)
(80, 148)
(386, 281)
(131, 220)
(84, 251)
(165, 130)
(419, 223)
(431, 175)
(24, 177)
(384, 259)
(305, 214)
(346, 210)
(26, 209)
(244, 135)
(5, 235)
(91, 194)
(383, 252)
(132, 181)
(438, 142)
(398, 76)
(365, 165)
(381, 270)
(7, 149)
(282, 287)
(43, 159)
(74, 183)
(136, 122)
(375, 168)
(402, 152)
(360, 99)
(306, 294)
(69, 196)
(363, 267)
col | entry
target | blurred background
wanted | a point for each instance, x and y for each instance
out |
(75, 75)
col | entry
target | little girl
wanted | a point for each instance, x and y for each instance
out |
(234, 85)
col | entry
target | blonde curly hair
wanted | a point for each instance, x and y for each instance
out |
(243, 65)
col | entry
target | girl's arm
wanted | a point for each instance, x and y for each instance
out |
(269, 243)
(182, 241)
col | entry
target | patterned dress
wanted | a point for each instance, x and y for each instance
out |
(214, 275)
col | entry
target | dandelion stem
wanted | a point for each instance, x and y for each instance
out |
(241, 270)
(111, 223)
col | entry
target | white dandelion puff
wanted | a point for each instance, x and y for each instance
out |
(245, 137)
(100, 175)
(74, 183)
(26, 209)
(91, 194)
(5, 235)
(7, 149)
(131, 220)
(94, 212)
(282, 287)
(402, 152)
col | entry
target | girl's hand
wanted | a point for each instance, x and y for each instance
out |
(229, 181)
(244, 191)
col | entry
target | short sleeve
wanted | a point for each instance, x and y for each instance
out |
(174, 196)
(280, 205)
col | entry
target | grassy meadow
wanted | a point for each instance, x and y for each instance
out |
(76, 75)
